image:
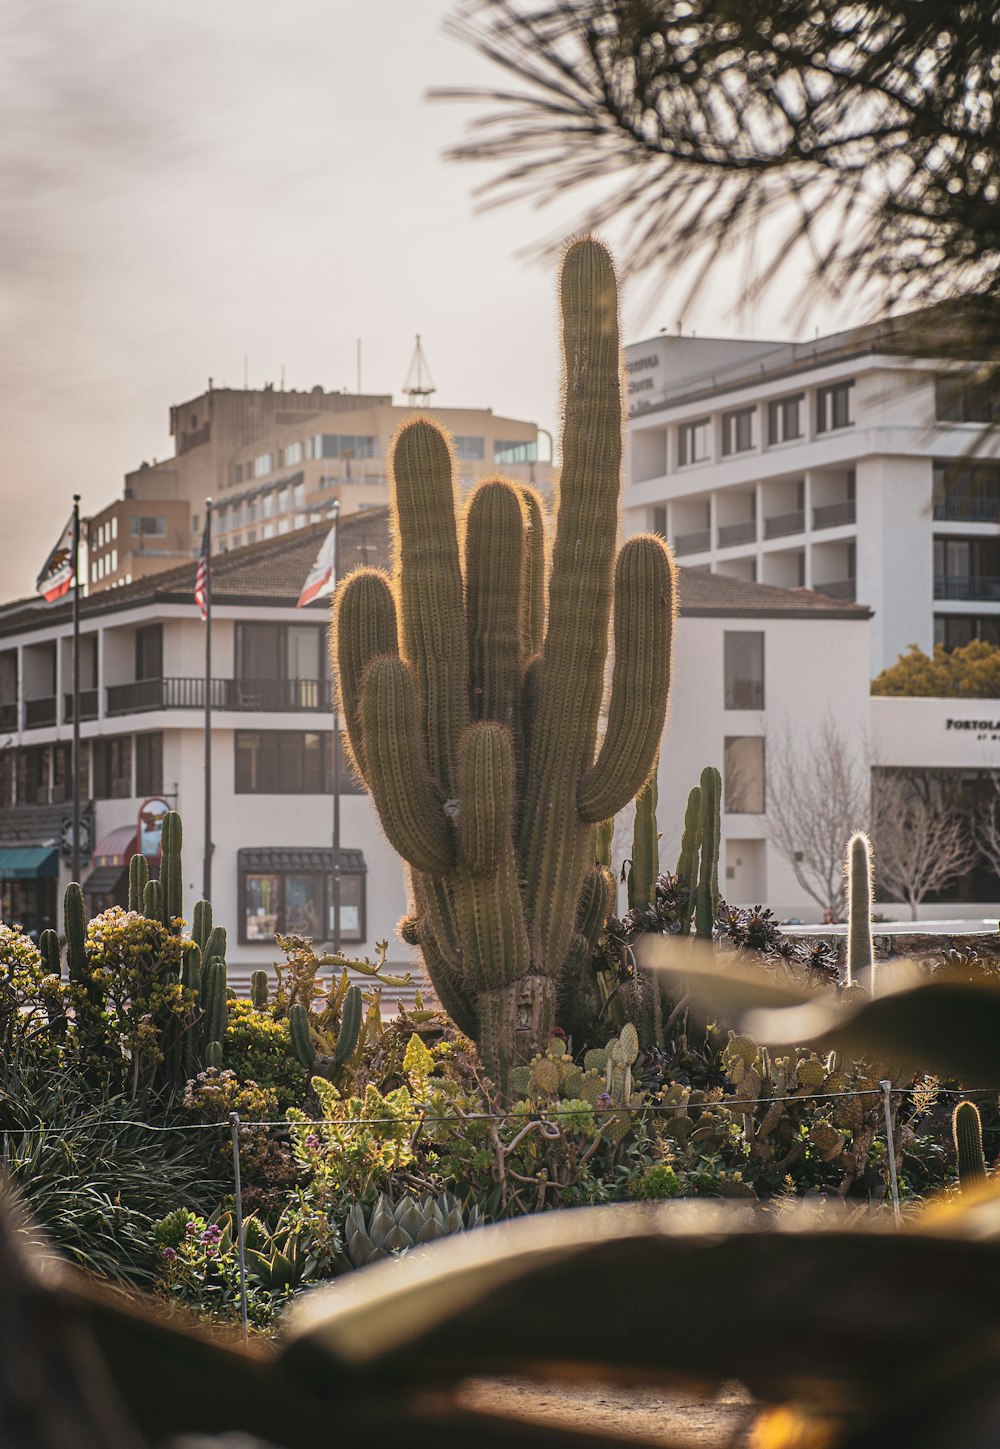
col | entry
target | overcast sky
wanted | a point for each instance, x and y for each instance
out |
(186, 183)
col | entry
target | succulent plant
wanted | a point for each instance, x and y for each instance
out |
(472, 709)
(968, 1130)
(391, 1229)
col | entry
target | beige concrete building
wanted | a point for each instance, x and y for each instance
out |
(275, 461)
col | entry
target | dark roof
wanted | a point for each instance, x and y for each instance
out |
(274, 571)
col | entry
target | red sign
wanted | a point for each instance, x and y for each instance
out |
(151, 813)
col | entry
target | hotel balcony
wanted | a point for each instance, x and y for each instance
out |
(783, 524)
(832, 515)
(266, 695)
(967, 586)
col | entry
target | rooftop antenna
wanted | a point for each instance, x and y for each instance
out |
(419, 384)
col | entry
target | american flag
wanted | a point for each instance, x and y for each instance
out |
(201, 577)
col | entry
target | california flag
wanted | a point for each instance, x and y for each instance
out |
(56, 578)
(322, 578)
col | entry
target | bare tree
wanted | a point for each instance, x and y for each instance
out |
(986, 826)
(818, 795)
(921, 841)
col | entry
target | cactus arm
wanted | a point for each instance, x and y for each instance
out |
(603, 836)
(213, 1000)
(486, 793)
(494, 566)
(138, 879)
(258, 990)
(153, 906)
(171, 873)
(687, 861)
(533, 591)
(215, 944)
(410, 816)
(75, 924)
(350, 1026)
(444, 968)
(596, 901)
(364, 627)
(860, 947)
(432, 608)
(645, 594)
(555, 852)
(707, 896)
(645, 848)
(201, 925)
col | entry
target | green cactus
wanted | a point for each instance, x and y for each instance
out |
(968, 1131)
(860, 947)
(213, 999)
(258, 990)
(215, 943)
(75, 923)
(476, 729)
(707, 894)
(171, 873)
(350, 1026)
(687, 861)
(201, 927)
(645, 849)
(213, 1055)
(152, 902)
(138, 879)
(192, 970)
(48, 945)
(303, 1045)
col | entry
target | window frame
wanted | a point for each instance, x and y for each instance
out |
(730, 682)
(777, 412)
(826, 416)
(733, 801)
(731, 445)
(279, 916)
(688, 436)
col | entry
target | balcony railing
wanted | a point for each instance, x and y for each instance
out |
(733, 533)
(39, 713)
(273, 696)
(839, 589)
(966, 586)
(967, 510)
(692, 542)
(784, 523)
(829, 515)
(88, 705)
(8, 715)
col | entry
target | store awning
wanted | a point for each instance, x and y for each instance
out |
(105, 880)
(271, 859)
(117, 847)
(29, 862)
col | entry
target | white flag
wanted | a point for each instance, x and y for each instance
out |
(322, 578)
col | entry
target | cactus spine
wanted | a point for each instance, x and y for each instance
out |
(258, 990)
(473, 714)
(860, 947)
(707, 894)
(138, 879)
(968, 1131)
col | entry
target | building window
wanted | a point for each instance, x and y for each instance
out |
(149, 652)
(784, 419)
(693, 442)
(660, 520)
(340, 445)
(262, 465)
(954, 631)
(112, 768)
(470, 450)
(114, 526)
(744, 668)
(149, 764)
(833, 407)
(293, 454)
(140, 527)
(238, 472)
(282, 891)
(739, 431)
(963, 399)
(514, 450)
(272, 652)
(743, 771)
(289, 762)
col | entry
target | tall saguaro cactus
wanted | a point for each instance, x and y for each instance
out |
(472, 691)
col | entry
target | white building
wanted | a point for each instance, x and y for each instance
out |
(747, 658)
(839, 465)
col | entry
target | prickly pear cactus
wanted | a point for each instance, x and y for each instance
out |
(472, 691)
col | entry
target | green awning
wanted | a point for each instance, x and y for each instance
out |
(28, 862)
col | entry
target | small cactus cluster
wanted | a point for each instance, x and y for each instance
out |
(328, 1041)
(698, 862)
(391, 1229)
(842, 1131)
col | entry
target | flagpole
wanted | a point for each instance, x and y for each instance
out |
(336, 757)
(206, 889)
(76, 686)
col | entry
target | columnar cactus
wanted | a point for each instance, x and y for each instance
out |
(645, 848)
(472, 696)
(707, 894)
(968, 1130)
(171, 873)
(860, 947)
(138, 879)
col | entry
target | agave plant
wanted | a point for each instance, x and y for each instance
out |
(391, 1230)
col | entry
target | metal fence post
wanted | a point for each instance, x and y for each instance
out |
(234, 1126)
(894, 1182)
